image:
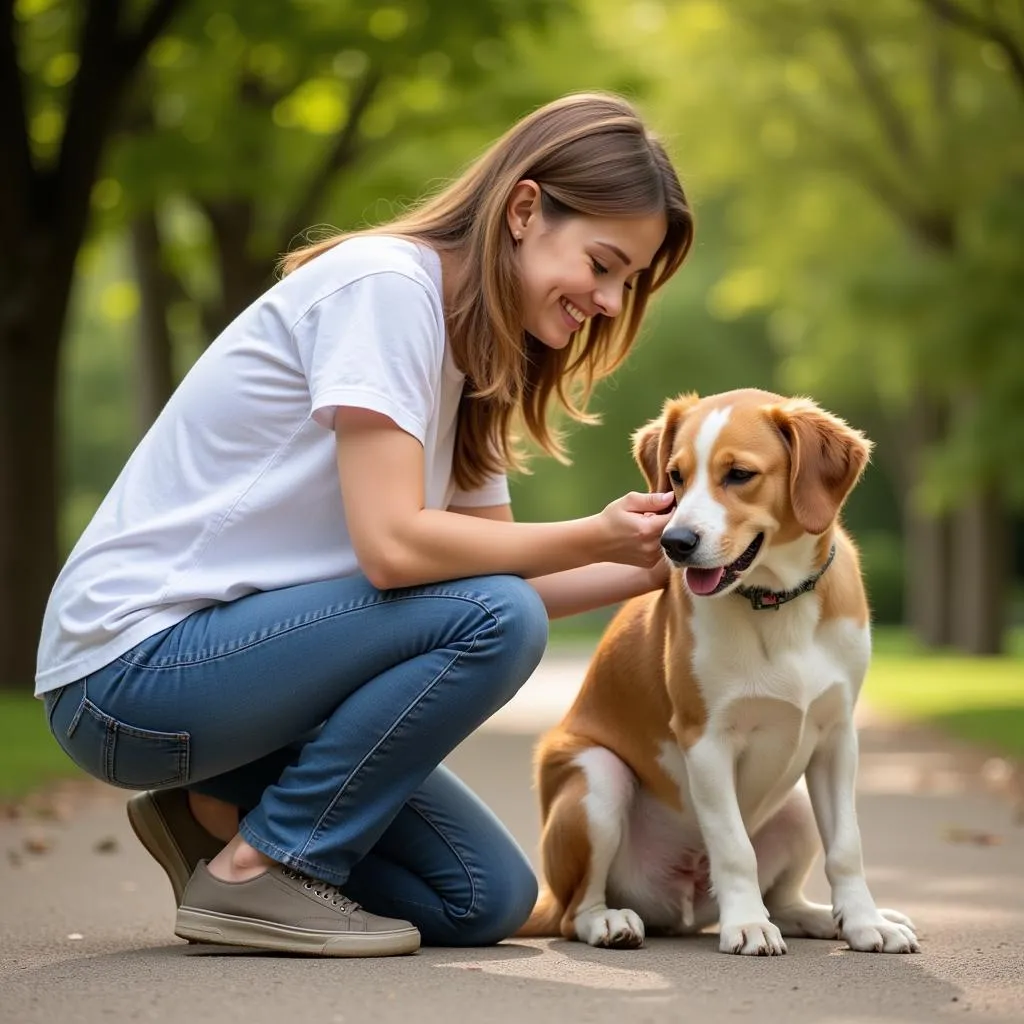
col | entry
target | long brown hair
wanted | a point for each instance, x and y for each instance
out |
(591, 155)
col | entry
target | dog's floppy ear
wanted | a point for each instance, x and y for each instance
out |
(652, 443)
(827, 458)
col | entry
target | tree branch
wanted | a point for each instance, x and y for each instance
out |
(342, 153)
(888, 192)
(107, 60)
(984, 28)
(894, 125)
(17, 173)
(89, 110)
(132, 47)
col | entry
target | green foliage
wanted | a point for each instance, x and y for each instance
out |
(980, 700)
(869, 160)
(826, 148)
(29, 755)
(97, 411)
(273, 107)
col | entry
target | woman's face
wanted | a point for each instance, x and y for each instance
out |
(575, 267)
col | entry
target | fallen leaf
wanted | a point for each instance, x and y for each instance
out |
(975, 837)
(38, 844)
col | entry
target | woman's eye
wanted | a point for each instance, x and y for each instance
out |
(739, 476)
(599, 268)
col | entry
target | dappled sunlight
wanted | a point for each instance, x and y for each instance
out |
(555, 965)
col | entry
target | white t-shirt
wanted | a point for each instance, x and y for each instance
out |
(234, 489)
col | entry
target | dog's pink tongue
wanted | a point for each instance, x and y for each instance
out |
(704, 581)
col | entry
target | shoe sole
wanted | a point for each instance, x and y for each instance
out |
(229, 930)
(151, 830)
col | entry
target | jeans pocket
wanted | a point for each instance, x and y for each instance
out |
(115, 751)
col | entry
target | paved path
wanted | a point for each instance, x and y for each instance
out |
(85, 921)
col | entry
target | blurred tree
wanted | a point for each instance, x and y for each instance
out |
(64, 71)
(871, 159)
(254, 122)
(246, 113)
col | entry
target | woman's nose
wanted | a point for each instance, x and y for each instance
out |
(609, 300)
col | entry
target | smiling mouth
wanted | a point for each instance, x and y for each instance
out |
(573, 312)
(708, 582)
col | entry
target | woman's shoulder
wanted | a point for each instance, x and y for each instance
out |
(359, 258)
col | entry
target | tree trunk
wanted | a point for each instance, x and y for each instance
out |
(243, 273)
(926, 557)
(29, 556)
(155, 351)
(977, 594)
(44, 210)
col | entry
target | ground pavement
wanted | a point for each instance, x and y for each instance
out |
(86, 918)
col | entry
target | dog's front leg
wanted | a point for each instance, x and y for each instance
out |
(743, 920)
(831, 782)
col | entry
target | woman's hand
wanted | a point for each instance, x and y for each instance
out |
(633, 526)
(659, 574)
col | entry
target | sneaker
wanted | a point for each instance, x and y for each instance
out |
(165, 826)
(288, 911)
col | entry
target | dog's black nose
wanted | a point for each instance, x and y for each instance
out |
(679, 543)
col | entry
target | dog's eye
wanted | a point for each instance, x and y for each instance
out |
(739, 476)
(676, 477)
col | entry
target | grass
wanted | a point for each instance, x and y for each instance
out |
(976, 699)
(29, 755)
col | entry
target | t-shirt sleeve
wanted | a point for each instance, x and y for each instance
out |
(375, 343)
(493, 491)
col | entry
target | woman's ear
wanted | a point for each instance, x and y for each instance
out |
(523, 207)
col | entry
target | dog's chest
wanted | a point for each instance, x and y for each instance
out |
(788, 656)
(772, 686)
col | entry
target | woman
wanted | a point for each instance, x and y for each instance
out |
(306, 586)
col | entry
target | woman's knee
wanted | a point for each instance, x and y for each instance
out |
(522, 622)
(503, 901)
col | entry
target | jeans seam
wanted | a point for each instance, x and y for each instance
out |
(376, 747)
(297, 860)
(113, 727)
(458, 856)
(289, 626)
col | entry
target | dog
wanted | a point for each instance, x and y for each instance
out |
(713, 740)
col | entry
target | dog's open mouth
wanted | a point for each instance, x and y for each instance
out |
(706, 582)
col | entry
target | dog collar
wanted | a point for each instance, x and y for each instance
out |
(762, 597)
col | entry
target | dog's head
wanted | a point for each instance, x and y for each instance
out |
(753, 474)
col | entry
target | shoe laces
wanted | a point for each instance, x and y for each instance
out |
(327, 891)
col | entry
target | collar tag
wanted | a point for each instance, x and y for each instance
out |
(761, 598)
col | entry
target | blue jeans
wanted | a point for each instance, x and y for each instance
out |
(324, 711)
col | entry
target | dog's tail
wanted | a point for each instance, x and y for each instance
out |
(545, 920)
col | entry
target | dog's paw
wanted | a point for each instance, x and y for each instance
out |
(611, 929)
(897, 918)
(805, 920)
(759, 938)
(887, 931)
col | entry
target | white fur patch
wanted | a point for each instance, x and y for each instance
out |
(611, 787)
(698, 510)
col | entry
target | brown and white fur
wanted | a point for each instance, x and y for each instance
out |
(673, 792)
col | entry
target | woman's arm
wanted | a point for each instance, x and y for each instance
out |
(588, 587)
(399, 543)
